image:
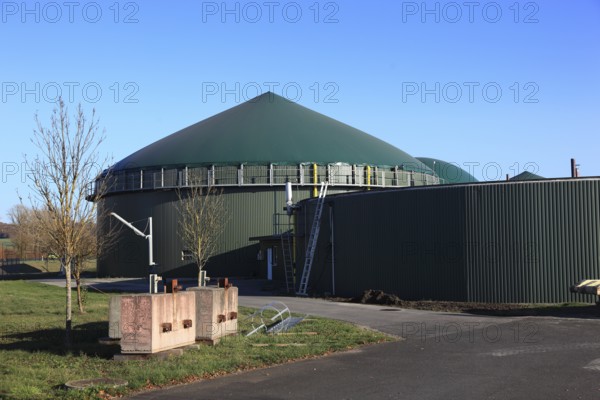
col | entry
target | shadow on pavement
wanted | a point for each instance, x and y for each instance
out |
(246, 286)
(587, 312)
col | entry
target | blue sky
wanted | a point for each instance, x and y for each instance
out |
(495, 87)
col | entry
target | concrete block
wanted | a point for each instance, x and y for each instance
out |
(216, 312)
(151, 323)
(114, 317)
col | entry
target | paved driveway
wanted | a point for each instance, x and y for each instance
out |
(443, 356)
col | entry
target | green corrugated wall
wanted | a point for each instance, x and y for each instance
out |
(250, 212)
(492, 242)
(535, 239)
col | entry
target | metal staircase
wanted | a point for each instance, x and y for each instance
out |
(312, 241)
(288, 261)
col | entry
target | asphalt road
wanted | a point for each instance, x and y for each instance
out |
(442, 356)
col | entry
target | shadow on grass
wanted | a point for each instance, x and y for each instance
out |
(51, 340)
(19, 269)
(25, 276)
(24, 273)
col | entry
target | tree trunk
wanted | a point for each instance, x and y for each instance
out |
(79, 298)
(69, 312)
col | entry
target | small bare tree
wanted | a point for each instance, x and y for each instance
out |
(91, 245)
(202, 219)
(85, 252)
(60, 174)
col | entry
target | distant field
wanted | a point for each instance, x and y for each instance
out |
(42, 266)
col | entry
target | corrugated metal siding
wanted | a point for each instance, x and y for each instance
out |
(399, 241)
(535, 240)
(500, 242)
(250, 214)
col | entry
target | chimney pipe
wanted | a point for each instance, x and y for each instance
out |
(573, 168)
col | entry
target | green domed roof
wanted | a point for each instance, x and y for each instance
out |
(269, 129)
(450, 173)
(526, 176)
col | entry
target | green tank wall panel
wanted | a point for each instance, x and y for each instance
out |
(250, 214)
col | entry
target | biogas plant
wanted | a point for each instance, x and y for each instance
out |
(323, 207)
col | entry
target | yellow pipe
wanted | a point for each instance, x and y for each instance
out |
(368, 177)
(315, 179)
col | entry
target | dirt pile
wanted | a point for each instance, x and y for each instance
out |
(378, 297)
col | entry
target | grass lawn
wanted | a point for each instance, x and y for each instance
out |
(34, 365)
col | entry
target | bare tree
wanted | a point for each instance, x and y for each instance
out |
(21, 218)
(28, 240)
(60, 174)
(90, 246)
(202, 219)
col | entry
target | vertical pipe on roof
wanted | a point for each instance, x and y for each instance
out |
(368, 177)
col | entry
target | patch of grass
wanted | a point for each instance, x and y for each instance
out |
(34, 365)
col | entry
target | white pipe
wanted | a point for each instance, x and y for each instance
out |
(136, 230)
(150, 244)
(140, 233)
(288, 193)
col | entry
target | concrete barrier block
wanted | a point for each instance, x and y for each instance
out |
(152, 323)
(216, 312)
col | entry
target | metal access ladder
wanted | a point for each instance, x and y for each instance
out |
(312, 241)
(288, 261)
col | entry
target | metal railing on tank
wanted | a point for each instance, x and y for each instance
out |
(305, 174)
